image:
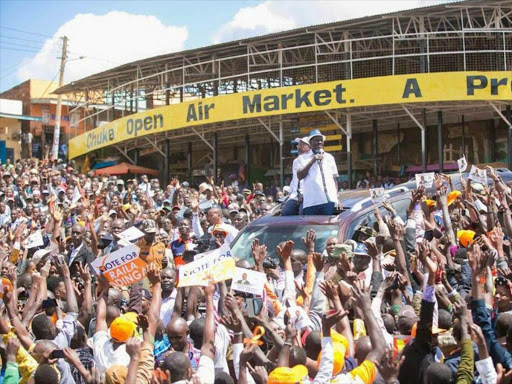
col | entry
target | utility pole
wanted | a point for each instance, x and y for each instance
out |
(56, 130)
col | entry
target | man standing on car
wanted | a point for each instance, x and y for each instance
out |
(293, 205)
(319, 174)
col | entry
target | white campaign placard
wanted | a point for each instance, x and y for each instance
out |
(122, 267)
(131, 234)
(462, 163)
(34, 240)
(213, 267)
(478, 175)
(425, 180)
(249, 281)
(378, 195)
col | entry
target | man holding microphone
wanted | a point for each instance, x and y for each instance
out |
(318, 172)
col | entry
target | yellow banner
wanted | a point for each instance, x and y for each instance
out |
(415, 88)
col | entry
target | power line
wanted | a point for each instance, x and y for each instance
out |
(24, 45)
(18, 67)
(26, 50)
(49, 84)
(21, 39)
(27, 32)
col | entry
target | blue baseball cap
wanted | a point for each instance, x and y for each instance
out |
(361, 249)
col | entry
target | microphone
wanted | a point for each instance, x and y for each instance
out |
(318, 152)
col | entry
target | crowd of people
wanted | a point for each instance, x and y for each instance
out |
(426, 300)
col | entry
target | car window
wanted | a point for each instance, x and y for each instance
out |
(271, 236)
(367, 217)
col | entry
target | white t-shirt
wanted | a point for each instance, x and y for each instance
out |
(104, 354)
(222, 341)
(313, 186)
(167, 308)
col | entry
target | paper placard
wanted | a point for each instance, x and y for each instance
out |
(130, 234)
(378, 195)
(122, 267)
(425, 180)
(213, 267)
(34, 240)
(462, 163)
(478, 175)
(249, 281)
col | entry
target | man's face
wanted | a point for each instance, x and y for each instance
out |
(240, 221)
(117, 227)
(329, 247)
(317, 143)
(77, 235)
(184, 229)
(220, 237)
(214, 216)
(178, 337)
(303, 148)
(502, 298)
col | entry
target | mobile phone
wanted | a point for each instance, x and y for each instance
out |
(57, 354)
(429, 235)
(49, 303)
(254, 306)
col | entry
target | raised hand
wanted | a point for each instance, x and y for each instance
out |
(83, 270)
(318, 261)
(330, 319)
(259, 252)
(373, 250)
(309, 240)
(133, 346)
(389, 366)
(388, 207)
(329, 289)
(61, 266)
(153, 274)
(396, 229)
(362, 296)
(232, 323)
(476, 259)
(506, 272)
(286, 250)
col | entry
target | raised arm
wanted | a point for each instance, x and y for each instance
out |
(101, 310)
(63, 270)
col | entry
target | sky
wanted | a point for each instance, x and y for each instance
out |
(105, 34)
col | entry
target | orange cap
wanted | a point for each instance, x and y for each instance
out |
(452, 196)
(465, 237)
(435, 330)
(122, 329)
(285, 375)
(430, 203)
(339, 357)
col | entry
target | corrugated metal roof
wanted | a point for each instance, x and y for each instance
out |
(77, 85)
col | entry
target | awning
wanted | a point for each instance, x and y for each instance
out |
(124, 168)
(104, 164)
(20, 117)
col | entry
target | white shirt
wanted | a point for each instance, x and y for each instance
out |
(294, 185)
(222, 341)
(198, 230)
(313, 185)
(74, 252)
(104, 354)
(167, 308)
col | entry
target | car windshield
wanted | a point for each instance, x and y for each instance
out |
(271, 236)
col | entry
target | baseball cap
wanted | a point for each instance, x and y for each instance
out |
(361, 250)
(185, 184)
(112, 212)
(120, 182)
(285, 375)
(339, 357)
(149, 226)
(122, 329)
(116, 374)
(430, 203)
(219, 228)
(408, 311)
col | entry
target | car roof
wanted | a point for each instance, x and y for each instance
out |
(295, 220)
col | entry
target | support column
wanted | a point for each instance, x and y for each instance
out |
(509, 136)
(167, 145)
(247, 160)
(375, 149)
(349, 151)
(424, 142)
(399, 160)
(136, 156)
(463, 138)
(440, 139)
(215, 160)
(281, 154)
(492, 135)
(189, 162)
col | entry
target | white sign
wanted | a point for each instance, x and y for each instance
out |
(131, 234)
(462, 163)
(73, 119)
(478, 175)
(425, 180)
(122, 267)
(76, 196)
(34, 240)
(246, 280)
(45, 114)
(213, 267)
(378, 195)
